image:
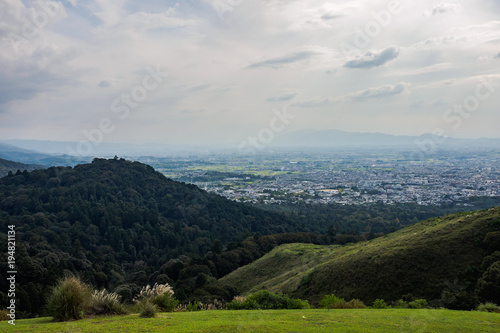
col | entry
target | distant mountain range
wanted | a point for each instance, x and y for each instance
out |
(329, 138)
(51, 153)
(28, 156)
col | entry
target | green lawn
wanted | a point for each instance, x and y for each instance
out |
(366, 320)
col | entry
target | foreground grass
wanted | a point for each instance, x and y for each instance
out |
(365, 320)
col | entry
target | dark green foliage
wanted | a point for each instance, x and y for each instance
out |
(194, 306)
(489, 284)
(8, 168)
(264, 300)
(488, 307)
(329, 301)
(418, 304)
(68, 299)
(334, 302)
(379, 304)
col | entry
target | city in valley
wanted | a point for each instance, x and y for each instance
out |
(344, 176)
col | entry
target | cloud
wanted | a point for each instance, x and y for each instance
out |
(370, 93)
(115, 22)
(104, 84)
(445, 7)
(497, 56)
(381, 92)
(328, 17)
(374, 58)
(282, 98)
(287, 59)
(429, 69)
(314, 103)
(188, 111)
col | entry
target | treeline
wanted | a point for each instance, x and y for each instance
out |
(374, 217)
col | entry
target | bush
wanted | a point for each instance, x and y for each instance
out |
(68, 299)
(379, 304)
(418, 304)
(400, 304)
(331, 301)
(195, 306)
(160, 295)
(263, 300)
(165, 302)
(105, 303)
(488, 307)
(355, 304)
(4, 315)
(147, 309)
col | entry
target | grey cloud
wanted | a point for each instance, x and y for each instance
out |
(498, 56)
(282, 98)
(328, 17)
(444, 8)
(374, 58)
(104, 84)
(280, 61)
(380, 92)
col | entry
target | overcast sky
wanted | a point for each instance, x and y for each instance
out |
(223, 67)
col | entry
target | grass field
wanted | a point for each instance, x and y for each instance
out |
(365, 320)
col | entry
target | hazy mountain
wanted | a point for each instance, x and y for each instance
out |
(327, 138)
(6, 166)
(29, 156)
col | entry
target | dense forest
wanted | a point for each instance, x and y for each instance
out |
(121, 225)
(7, 166)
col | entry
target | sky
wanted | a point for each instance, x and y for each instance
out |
(218, 71)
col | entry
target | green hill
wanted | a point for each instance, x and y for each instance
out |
(6, 166)
(440, 259)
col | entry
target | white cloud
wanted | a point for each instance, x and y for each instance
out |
(373, 58)
(381, 92)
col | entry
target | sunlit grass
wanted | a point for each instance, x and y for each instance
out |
(364, 320)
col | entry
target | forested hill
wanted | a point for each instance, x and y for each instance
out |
(113, 222)
(7, 166)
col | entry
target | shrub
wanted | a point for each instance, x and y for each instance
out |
(147, 309)
(165, 302)
(263, 300)
(401, 304)
(214, 305)
(195, 306)
(68, 299)
(379, 304)
(160, 295)
(418, 304)
(356, 304)
(331, 301)
(4, 315)
(105, 303)
(488, 307)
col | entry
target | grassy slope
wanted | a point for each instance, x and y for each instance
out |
(392, 320)
(420, 259)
